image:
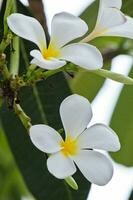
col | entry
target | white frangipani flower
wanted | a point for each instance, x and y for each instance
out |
(64, 28)
(77, 148)
(111, 21)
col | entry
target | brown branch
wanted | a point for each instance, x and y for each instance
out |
(37, 8)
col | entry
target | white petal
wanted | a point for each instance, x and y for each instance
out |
(28, 28)
(60, 166)
(104, 4)
(83, 55)
(124, 30)
(66, 27)
(45, 138)
(96, 167)
(99, 136)
(110, 17)
(50, 64)
(76, 113)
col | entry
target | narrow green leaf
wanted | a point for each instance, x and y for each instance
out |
(114, 76)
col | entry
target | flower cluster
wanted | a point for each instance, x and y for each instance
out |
(78, 147)
(64, 28)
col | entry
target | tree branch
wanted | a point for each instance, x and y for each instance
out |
(37, 8)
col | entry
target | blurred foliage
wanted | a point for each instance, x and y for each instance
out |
(122, 123)
(12, 186)
(131, 196)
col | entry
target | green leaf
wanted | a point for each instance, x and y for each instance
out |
(86, 84)
(42, 104)
(11, 183)
(122, 123)
(126, 8)
(89, 15)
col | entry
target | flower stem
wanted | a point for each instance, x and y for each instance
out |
(3, 67)
(26, 121)
(49, 73)
(5, 42)
(14, 59)
(8, 10)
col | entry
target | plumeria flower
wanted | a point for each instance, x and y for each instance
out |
(78, 147)
(111, 21)
(64, 28)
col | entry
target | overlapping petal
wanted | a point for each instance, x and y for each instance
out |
(96, 167)
(104, 4)
(110, 17)
(84, 55)
(76, 113)
(60, 166)
(28, 28)
(45, 138)
(111, 21)
(40, 61)
(65, 27)
(99, 136)
(124, 30)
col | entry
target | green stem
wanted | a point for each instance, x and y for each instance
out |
(26, 121)
(49, 73)
(8, 36)
(8, 10)
(5, 42)
(10, 5)
(3, 66)
(14, 59)
(32, 76)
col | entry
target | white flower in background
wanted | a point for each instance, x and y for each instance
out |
(64, 28)
(111, 21)
(1, 1)
(77, 148)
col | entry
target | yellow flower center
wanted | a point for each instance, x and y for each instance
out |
(69, 146)
(51, 51)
